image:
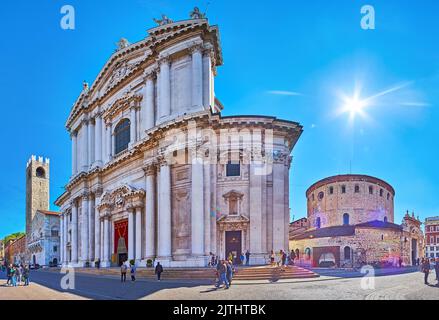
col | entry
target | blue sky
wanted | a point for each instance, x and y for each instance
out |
(314, 48)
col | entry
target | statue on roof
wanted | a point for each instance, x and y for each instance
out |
(163, 21)
(196, 14)
(85, 86)
(122, 44)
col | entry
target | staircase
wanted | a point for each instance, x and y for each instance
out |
(273, 273)
(242, 273)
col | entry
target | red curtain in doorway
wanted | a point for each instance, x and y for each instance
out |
(120, 231)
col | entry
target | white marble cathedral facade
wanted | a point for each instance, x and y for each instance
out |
(158, 173)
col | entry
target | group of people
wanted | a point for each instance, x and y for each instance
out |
(133, 269)
(282, 259)
(16, 275)
(224, 273)
(426, 266)
(244, 259)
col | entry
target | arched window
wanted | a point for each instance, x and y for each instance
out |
(318, 223)
(357, 189)
(347, 253)
(122, 136)
(346, 219)
(40, 172)
(385, 219)
(321, 195)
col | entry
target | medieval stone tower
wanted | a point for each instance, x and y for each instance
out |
(37, 188)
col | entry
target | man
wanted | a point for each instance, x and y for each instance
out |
(229, 273)
(26, 275)
(123, 272)
(436, 269)
(158, 270)
(426, 270)
(247, 258)
(133, 272)
(9, 275)
(292, 256)
(222, 273)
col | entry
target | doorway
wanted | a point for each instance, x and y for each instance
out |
(233, 245)
(414, 251)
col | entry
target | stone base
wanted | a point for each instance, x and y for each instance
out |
(190, 262)
(257, 259)
(105, 264)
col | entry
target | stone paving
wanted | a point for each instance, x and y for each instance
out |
(46, 285)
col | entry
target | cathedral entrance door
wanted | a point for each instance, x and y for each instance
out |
(414, 251)
(121, 241)
(233, 244)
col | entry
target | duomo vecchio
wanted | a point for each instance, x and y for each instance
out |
(159, 175)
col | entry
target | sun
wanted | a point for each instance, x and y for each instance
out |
(354, 106)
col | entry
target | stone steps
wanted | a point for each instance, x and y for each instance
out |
(242, 273)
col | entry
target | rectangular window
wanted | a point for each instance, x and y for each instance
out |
(331, 190)
(343, 189)
(233, 169)
(381, 192)
(357, 189)
(55, 249)
(370, 190)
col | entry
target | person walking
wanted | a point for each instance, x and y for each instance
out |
(9, 275)
(426, 269)
(133, 272)
(222, 270)
(26, 272)
(229, 273)
(241, 258)
(19, 274)
(123, 272)
(247, 258)
(436, 269)
(14, 276)
(272, 256)
(283, 260)
(158, 271)
(292, 257)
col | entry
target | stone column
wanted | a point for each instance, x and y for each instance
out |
(102, 243)
(90, 142)
(84, 229)
(197, 77)
(164, 212)
(131, 243)
(256, 227)
(66, 238)
(148, 103)
(97, 238)
(91, 228)
(165, 88)
(278, 204)
(138, 235)
(207, 72)
(61, 238)
(74, 153)
(74, 244)
(84, 154)
(197, 206)
(150, 212)
(106, 261)
(109, 142)
(98, 141)
(207, 209)
(133, 125)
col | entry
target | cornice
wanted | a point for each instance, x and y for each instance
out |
(151, 42)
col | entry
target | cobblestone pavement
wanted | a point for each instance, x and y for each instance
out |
(46, 285)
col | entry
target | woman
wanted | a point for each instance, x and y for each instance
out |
(272, 258)
(14, 276)
(123, 272)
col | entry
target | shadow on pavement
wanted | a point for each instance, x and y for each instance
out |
(108, 288)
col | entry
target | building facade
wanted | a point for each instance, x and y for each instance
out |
(351, 220)
(44, 242)
(15, 251)
(432, 237)
(2, 251)
(158, 173)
